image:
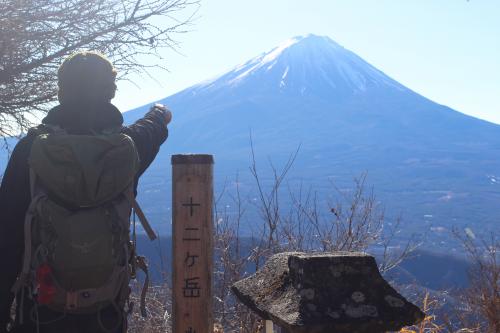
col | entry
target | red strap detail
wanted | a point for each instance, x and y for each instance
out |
(45, 284)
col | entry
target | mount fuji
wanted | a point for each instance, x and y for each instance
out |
(437, 167)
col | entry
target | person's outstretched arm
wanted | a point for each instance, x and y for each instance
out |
(148, 134)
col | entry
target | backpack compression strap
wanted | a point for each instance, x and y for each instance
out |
(142, 265)
(142, 218)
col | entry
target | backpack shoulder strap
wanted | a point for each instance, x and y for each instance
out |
(28, 219)
(46, 129)
(23, 276)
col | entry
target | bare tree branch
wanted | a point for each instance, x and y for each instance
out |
(35, 36)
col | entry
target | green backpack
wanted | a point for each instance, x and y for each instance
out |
(78, 254)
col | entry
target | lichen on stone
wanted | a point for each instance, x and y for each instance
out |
(358, 297)
(307, 293)
(324, 293)
(361, 311)
(394, 301)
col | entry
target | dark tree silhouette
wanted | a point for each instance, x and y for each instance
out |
(35, 35)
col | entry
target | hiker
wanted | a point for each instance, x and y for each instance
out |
(80, 164)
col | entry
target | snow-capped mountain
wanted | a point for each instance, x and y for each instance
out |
(305, 65)
(434, 165)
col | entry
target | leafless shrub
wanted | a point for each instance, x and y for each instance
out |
(230, 267)
(477, 307)
(352, 223)
(391, 258)
(159, 299)
(35, 35)
(430, 323)
(269, 201)
(483, 295)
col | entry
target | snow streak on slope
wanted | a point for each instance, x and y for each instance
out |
(306, 57)
(267, 60)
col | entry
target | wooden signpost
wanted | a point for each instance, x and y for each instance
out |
(192, 199)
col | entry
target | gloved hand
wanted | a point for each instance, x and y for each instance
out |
(166, 112)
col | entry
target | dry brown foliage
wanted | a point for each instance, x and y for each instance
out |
(483, 296)
(159, 299)
(479, 307)
(429, 324)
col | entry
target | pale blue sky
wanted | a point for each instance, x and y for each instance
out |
(446, 50)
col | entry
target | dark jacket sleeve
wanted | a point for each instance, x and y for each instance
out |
(148, 134)
(14, 202)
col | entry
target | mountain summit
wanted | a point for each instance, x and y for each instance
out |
(435, 165)
(305, 65)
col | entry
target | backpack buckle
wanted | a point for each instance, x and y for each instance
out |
(71, 300)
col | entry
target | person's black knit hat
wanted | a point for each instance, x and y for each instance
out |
(86, 77)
